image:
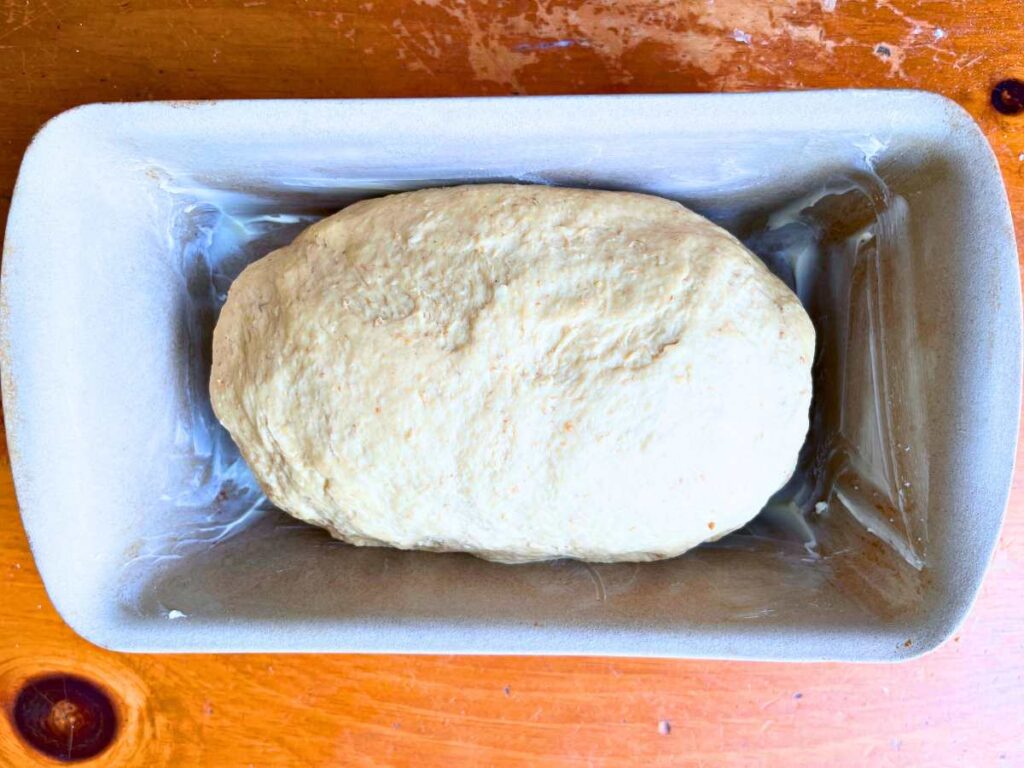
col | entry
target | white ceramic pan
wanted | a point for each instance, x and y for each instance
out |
(884, 210)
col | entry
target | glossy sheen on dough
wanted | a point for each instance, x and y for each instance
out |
(520, 372)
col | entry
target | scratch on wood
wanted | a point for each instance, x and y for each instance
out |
(501, 48)
(893, 55)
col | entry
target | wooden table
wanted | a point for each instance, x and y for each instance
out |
(962, 705)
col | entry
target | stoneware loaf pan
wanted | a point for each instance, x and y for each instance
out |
(885, 211)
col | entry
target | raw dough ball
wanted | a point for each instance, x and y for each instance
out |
(520, 372)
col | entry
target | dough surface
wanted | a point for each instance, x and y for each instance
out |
(520, 372)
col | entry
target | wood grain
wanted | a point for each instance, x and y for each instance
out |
(962, 705)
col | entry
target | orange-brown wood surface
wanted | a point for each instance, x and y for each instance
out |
(962, 705)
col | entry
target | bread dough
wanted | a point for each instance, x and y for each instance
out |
(520, 372)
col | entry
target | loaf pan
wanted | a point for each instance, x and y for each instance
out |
(885, 211)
